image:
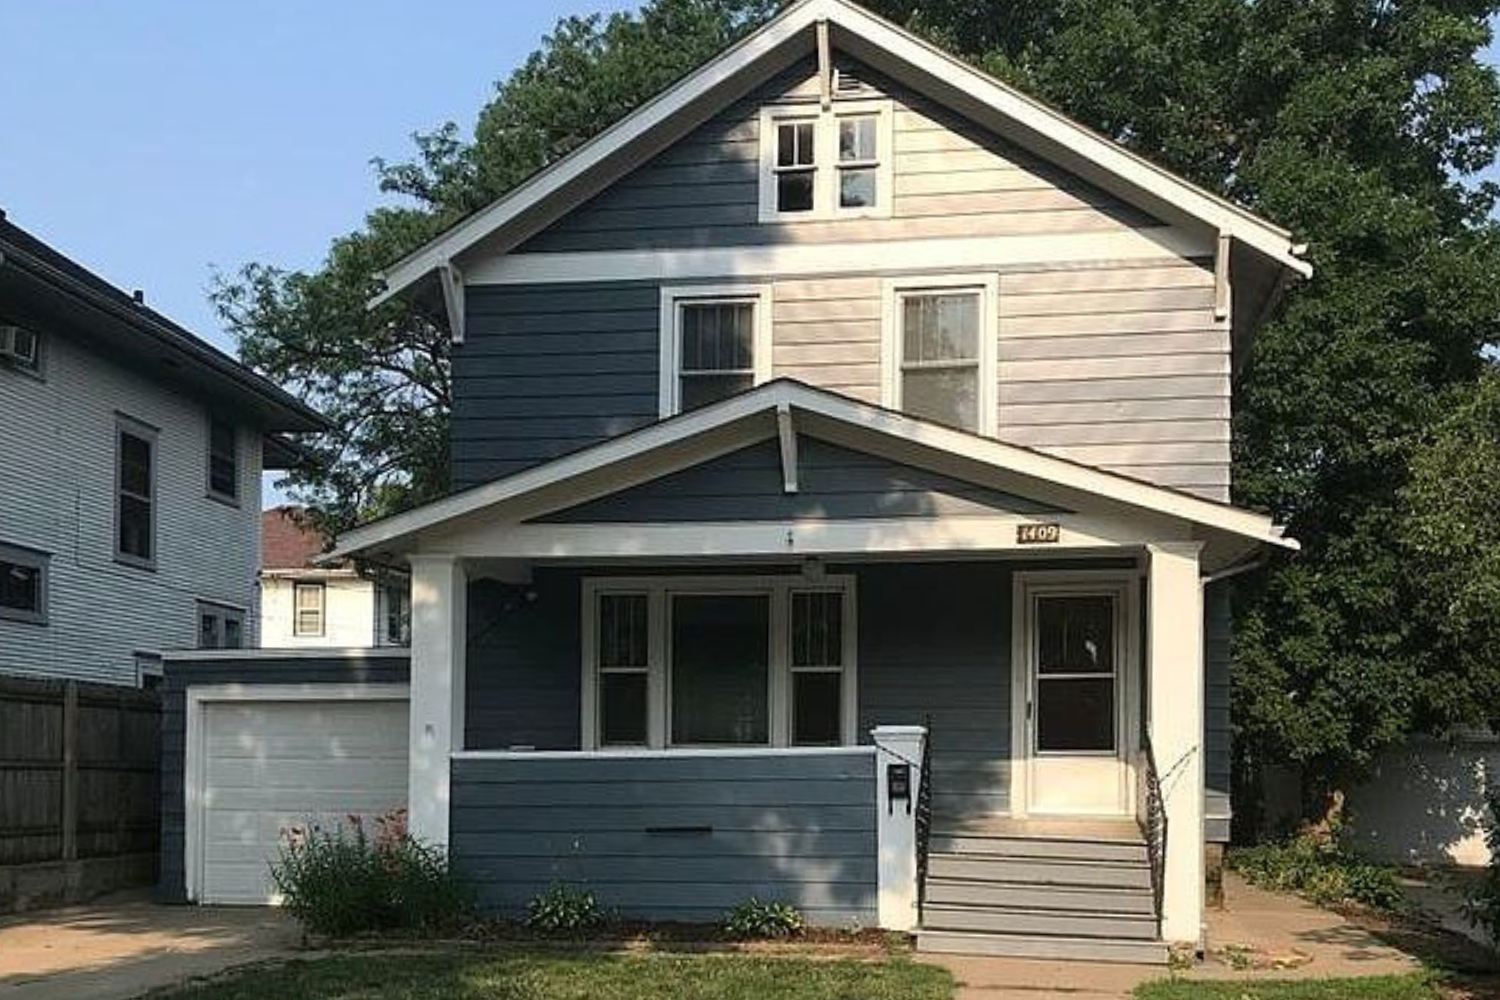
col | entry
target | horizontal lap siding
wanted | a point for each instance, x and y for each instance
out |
(376, 668)
(1123, 368)
(793, 828)
(951, 179)
(833, 482)
(544, 371)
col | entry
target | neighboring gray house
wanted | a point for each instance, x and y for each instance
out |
(838, 393)
(130, 476)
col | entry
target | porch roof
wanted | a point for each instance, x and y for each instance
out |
(1094, 509)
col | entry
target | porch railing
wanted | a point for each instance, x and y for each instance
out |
(1152, 816)
(924, 817)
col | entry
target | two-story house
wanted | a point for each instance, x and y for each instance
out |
(130, 476)
(844, 450)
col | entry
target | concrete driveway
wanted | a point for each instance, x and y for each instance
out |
(124, 945)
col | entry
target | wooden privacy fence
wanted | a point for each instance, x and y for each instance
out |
(79, 779)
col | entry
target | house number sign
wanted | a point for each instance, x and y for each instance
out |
(1038, 534)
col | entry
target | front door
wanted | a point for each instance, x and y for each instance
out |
(1077, 667)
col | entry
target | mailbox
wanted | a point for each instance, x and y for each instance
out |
(898, 786)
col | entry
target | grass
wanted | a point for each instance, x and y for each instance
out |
(1419, 986)
(578, 976)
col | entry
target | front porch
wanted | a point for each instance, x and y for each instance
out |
(662, 666)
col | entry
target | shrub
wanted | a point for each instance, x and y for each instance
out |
(1321, 868)
(756, 919)
(563, 910)
(1482, 901)
(342, 881)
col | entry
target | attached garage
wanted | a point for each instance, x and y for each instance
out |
(260, 755)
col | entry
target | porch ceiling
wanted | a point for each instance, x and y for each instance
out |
(930, 490)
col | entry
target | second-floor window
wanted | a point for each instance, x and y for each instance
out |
(135, 493)
(940, 353)
(223, 461)
(220, 626)
(309, 611)
(818, 164)
(715, 343)
(23, 585)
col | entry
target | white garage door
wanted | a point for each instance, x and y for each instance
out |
(271, 765)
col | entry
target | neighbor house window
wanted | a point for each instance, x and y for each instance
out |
(23, 585)
(818, 164)
(220, 626)
(715, 343)
(940, 353)
(223, 460)
(20, 349)
(135, 489)
(395, 612)
(721, 661)
(309, 610)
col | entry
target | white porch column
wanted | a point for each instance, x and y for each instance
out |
(896, 826)
(1175, 641)
(439, 606)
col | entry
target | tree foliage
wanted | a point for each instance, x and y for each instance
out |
(1357, 123)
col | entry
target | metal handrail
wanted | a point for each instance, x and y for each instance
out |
(1154, 825)
(924, 816)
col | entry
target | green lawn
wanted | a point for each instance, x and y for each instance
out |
(541, 976)
(1415, 987)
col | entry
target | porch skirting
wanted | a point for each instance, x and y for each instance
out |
(672, 836)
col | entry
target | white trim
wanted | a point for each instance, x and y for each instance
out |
(825, 166)
(679, 752)
(626, 143)
(659, 592)
(988, 361)
(800, 260)
(195, 746)
(257, 654)
(849, 413)
(673, 297)
(1026, 586)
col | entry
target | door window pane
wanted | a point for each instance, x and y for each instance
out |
(720, 646)
(622, 708)
(1075, 714)
(817, 707)
(1076, 635)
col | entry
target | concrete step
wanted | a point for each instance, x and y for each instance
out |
(1027, 895)
(1017, 920)
(1040, 848)
(1043, 946)
(985, 868)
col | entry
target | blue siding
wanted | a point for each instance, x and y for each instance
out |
(833, 482)
(545, 370)
(673, 838)
(265, 668)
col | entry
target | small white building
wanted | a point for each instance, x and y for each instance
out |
(303, 604)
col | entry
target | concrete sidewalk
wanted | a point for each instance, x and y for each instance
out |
(1258, 935)
(123, 945)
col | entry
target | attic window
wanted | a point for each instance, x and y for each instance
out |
(818, 165)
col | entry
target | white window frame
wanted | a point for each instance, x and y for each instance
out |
(34, 559)
(825, 159)
(987, 285)
(322, 588)
(659, 592)
(673, 298)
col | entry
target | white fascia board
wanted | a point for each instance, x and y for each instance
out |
(905, 257)
(886, 42)
(1023, 462)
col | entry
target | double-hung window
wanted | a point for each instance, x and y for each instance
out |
(309, 608)
(940, 352)
(135, 493)
(23, 585)
(223, 461)
(715, 343)
(718, 661)
(825, 164)
(220, 626)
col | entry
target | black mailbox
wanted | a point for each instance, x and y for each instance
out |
(898, 785)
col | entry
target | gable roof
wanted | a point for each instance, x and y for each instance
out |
(648, 130)
(48, 284)
(731, 422)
